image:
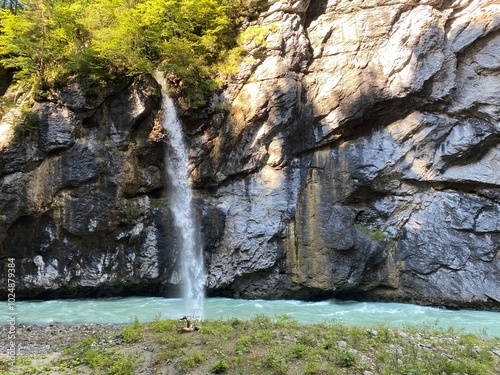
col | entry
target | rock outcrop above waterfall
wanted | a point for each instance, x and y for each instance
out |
(358, 157)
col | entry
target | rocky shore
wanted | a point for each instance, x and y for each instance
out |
(34, 339)
(257, 346)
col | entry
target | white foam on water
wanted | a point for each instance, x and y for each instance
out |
(369, 314)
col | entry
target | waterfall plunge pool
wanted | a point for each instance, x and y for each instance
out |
(369, 314)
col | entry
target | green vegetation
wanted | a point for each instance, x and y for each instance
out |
(28, 124)
(256, 36)
(101, 360)
(275, 346)
(6, 103)
(133, 333)
(219, 367)
(376, 235)
(49, 42)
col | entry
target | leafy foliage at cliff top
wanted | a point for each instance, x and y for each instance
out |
(47, 41)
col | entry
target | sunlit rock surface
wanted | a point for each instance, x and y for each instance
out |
(356, 155)
(376, 126)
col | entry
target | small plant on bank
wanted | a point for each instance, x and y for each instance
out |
(191, 361)
(276, 361)
(109, 362)
(347, 359)
(297, 351)
(133, 333)
(219, 367)
(243, 345)
(311, 368)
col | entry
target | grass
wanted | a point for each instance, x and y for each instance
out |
(278, 346)
(376, 235)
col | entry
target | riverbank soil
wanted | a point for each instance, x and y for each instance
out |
(257, 346)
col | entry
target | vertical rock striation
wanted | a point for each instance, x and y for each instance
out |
(80, 200)
(363, 155)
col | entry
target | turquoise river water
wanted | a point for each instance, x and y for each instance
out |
(369, 314)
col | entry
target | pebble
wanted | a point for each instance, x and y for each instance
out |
(372, 332)
(341, 344)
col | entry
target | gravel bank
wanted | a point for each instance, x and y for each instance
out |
(32, 339)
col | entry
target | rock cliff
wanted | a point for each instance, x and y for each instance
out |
(357, 155)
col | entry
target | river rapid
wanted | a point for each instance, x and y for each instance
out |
(368, 314)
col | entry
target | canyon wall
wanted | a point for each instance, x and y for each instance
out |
(356, 154)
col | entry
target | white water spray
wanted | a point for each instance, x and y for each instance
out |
(192, 272)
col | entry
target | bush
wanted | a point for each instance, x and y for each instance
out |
(190, 362)
(276, 361)
(243, 345)
(104, 361)
(28, 125)
(187, 39)
(347, 359)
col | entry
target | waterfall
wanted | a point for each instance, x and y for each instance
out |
(192, 272)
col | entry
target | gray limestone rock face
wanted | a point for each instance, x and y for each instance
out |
(81, 205)
(357, 156)
(380, 140)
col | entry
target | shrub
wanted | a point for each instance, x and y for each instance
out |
(105, 361)
(276, 361)
(191, 361)
(243, 345)
(297, 351)
(28, 125)
(311, 368)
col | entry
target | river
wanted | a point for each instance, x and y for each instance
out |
(369, 314)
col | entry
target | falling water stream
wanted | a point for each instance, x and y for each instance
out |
(180, 197)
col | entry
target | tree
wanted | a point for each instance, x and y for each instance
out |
(45, 41)
(48, 40)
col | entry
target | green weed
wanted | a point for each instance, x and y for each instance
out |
(133, 333)
(219, 367)
(276, 361)
(27, 125)
(243, 345)
(191, 361)
(347, 359)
